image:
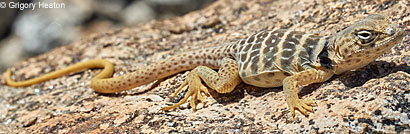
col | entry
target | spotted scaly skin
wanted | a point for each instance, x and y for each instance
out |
(266, 59)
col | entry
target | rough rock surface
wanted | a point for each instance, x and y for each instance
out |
(375, 98)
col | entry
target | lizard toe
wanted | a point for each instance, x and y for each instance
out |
(309, 102)
(301, 105)
(180, 88)
(301, 109)
(195, 90)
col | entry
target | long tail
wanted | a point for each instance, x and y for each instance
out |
(104, 84)
(96, 63)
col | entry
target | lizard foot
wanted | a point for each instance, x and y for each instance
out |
(303, 105)
(195, 90)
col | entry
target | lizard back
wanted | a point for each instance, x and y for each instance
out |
(267, 57)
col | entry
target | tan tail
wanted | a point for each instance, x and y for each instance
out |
(97, 63)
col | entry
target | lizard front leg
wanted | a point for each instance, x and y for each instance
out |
(290, 87)
(223, 81)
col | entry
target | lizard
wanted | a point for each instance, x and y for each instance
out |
(271, 58)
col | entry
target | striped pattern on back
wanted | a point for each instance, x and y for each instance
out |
(276, 54)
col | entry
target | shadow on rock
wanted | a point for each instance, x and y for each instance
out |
(239, 93)
(374, 70)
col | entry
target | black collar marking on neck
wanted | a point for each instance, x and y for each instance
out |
(324, 59)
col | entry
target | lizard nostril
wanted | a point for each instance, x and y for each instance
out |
(390, 31)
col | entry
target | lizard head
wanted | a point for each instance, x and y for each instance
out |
(363, 42)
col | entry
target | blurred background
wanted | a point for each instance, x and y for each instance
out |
(25, 32)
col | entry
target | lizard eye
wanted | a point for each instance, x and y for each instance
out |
(364, 35)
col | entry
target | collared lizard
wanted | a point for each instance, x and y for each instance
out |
(273, 58)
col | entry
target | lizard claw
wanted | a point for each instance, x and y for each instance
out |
(303, 105)
(179, 88)
(195, 90)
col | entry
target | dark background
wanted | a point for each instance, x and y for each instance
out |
(27, 33)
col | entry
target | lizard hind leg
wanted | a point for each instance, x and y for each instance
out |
(195, 90)
(223, 81)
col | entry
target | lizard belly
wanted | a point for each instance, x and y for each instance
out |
(265, 79)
